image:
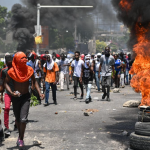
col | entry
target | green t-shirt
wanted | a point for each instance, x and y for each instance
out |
(3, 76)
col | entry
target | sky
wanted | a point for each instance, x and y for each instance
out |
(9, 3)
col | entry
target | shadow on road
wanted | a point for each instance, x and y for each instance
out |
(26, 147)
(123, 126)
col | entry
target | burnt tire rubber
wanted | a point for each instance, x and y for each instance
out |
(142, 128)
(143, 117)
(138, 142)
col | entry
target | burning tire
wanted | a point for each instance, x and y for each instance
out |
(138, 142)
(144, 117)
(142, 128)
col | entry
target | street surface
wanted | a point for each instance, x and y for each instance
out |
(71, 130)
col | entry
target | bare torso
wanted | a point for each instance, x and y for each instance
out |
(23, 88)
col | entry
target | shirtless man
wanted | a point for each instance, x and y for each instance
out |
(20, 73)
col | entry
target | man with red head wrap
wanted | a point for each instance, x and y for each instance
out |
(20, 73)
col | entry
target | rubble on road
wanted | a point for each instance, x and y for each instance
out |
(132, 103)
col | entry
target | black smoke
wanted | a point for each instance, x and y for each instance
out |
(137, 14)
(24, 17)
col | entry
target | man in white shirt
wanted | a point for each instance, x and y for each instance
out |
(77, 65)
(64, 71)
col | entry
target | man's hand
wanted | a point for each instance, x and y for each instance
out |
(80, 79)
(42, 96)
(16, 94)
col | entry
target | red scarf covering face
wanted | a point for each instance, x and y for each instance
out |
(20, 72)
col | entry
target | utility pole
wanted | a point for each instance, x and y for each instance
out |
(38, 26)
(54, 6)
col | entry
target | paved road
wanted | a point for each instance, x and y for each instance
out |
(71, 130)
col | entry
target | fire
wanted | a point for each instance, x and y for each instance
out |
(126, 4)
(141, 66)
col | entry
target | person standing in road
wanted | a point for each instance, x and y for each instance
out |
(20, 73)
(64, 71)
(87, 73)
(117, 71)
(7, 96)
(50, 69)
(107, 62)
(77, 65)
(97, 64)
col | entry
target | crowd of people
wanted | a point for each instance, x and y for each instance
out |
(26, 74)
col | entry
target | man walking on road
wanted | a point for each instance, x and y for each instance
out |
(50, 69)
(87, 72)
(20, 73)
(77, 65)
(107, 62)
(7, 96)
(64, 71)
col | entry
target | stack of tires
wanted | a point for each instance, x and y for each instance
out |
(140, 140)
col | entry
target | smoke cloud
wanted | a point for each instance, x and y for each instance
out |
(24, 17)
(138, 13)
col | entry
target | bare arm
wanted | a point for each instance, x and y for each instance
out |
(7, 80)
(100, 67)
(13, 93)
(72, 72)
(66, 65)
(113, 70)
(35, 84)
(57, 77)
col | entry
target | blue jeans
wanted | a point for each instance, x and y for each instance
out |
(53, 87)
(127, 74)
(88, 90)
(97, 80)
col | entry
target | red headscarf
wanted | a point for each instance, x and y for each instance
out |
(20, 72)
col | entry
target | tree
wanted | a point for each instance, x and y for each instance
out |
(4, 17)
(114, 47)
(100, 46)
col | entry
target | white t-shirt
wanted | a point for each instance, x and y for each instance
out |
(64, 69)
(107, 63)
(57, 61)
(32, 64)
(77, 67)
(97, 64)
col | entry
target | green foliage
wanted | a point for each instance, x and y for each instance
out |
(34, 101)
(4, 16)
(113, 47)
(100, 46)
(1, 64)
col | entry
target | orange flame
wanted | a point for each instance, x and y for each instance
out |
(141, 66)
(126, 5)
